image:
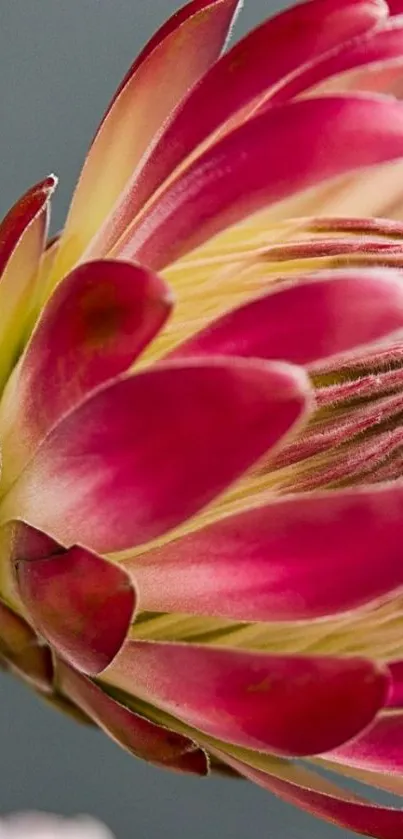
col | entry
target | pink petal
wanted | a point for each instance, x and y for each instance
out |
(146, 452)
(276, 49)
(96, 323)
(318, 796)
(290, 705)
(133, 732)
(224, 17)
(395, 7)
(81, 603)
(25, 541)
(272, 563)
(309, 320)
(44, 286)
(395, 699)
(171, 63)
(22, 241)
(256, 166)
(379, 748)
(24, 652)
(375, 55)
(27, 210)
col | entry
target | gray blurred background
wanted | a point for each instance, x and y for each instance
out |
(60, 63)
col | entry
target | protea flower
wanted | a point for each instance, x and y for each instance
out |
(200, 422)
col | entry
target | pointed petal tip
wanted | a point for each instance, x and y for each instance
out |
(147, 740)
(194, 762)
(29, 210)
(51, 182)
(174, 59)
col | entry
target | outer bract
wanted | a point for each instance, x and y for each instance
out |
(201, 495)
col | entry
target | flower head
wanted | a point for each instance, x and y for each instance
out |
(201, 494)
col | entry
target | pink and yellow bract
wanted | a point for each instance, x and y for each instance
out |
(201, 495)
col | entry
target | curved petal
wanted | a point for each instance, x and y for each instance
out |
(272, 563)
(22, 242)
(385, 781)
(256, 166)
(223, 17)
(376, 55)
(133, 732)
(379, 748)
(147, 451)
(249, 70)
(318, 796)
(172, 62)
(23, 651)
(81, 603)
(28, 209)
(308, 320)
(44, 286)
(395, 7)
(289, 705)
(96, 323)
